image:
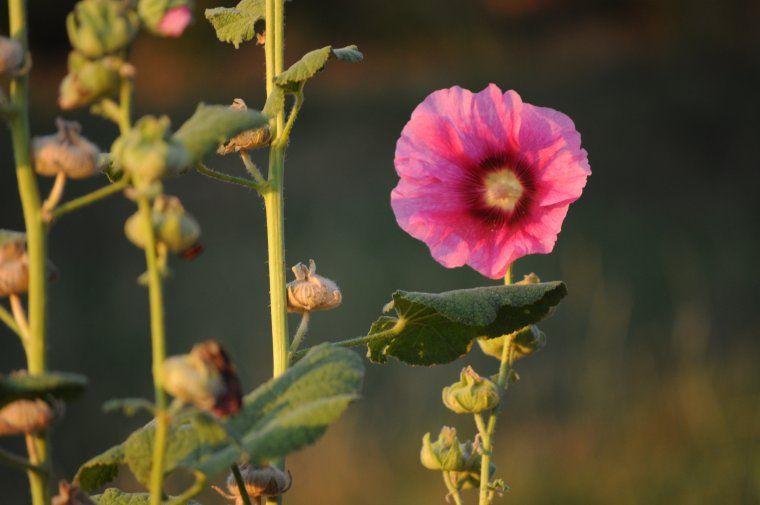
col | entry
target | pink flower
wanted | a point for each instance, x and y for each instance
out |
(486, 178)
(175, 21)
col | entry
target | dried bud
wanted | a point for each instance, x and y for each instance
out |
(100, 27)
(311, 291)
(28, 416)
(148, 152)
(70, 494)
(260, 482)
(11, 57)
(14, 263)
(174, 227)
(66, 151)
(168, 18)
(446, 453)
(472, 394)
(205, 378)
(248, 140)
(525, 341)
(87, 81)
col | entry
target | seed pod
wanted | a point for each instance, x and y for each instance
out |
(66, 151)
(174, 227)
(28, 416)
(446, 453)
(11, 57)
(205, 378)
(260, 482)
(14, 263)
(473, 394)
(97, 28)
(87, 81)
(166, 19)
(70, 494)
(310, 291)
(248, 140)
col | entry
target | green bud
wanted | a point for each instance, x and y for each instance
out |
(87, 81)
(148, 152)
(469, 476)
(472, 394)
(525, 342)
(174, 227)
(165, 18)
(446, 453)
(100, 27)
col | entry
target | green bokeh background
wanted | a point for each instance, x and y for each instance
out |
(648, 390)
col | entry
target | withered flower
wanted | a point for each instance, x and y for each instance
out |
(310, 291)
(249, 139)
(260, 482)
(66, 151)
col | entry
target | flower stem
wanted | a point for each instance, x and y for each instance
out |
(231, 179)
(89, 198)
(158, 339)
(9, 459)
(126, 90)
(240, 484)
(56, 193)
(35, 236)
(356, 341)
(453, 492)
(303, 328)
(7, 318)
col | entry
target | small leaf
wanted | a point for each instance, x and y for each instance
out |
(237, 25)
(439, 328)
(311, 63)
(113, 496)
(212, 125)
(62, 385)
(101, 469)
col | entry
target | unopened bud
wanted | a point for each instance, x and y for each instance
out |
(70, 494)
(469, 476)
(248, 140)
(14, 263)
(11, 57)
(446, 453)
(472, 394)
(524, 342)
(97, 28)
(310, 291)
(168, 18)
(205, 378)
(66, 151)
(87, 81)
(260, 482)
(173, 225)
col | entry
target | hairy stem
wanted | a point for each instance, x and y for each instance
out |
(231, 179)
(35, 237)
(89, 198)
(192, 491)
(251, 168)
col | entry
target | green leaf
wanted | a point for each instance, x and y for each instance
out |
(65, 386)
(101, 469)
(275, 102)
(113, 496)
(212, 125)
(236, 25)
(312, 62)
(431, 329)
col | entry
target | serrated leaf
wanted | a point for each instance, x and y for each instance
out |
(312, 62)
(101, 469)
(113, 496)
(438, 328)
(61, 385)
(237, 25)
(212, 125)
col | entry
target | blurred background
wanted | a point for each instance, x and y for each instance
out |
(648, 390)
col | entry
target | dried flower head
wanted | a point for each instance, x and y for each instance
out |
(260, 482)
(11, 57)
(248, 140)
(66, 151)
(173, 225)
(486, 178)
(70, 494)
(28, 416)
(205, 378)
(14, 263)
(310, 291)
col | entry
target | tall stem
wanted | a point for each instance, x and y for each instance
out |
(158, 339)
(35, 236)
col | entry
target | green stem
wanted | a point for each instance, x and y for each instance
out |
(35, 236)
(89, 198)
(126, 90)
(453, 492)
(303, 328)
(251, 168)
(284, 135)
(7, 318)
(219, 176)
(13, 460)
(158, 339)
(240, 484)
(357, 341)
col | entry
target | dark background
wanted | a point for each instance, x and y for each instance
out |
(648, 390)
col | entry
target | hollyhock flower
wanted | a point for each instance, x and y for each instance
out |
(486, 178)
(175, 21)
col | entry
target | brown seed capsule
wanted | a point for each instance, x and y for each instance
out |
(70, 494)
(260, 482)
(28, 416)
(310, 291)
(248, 140)
(11, 57)
(66, 151)
(14, 263)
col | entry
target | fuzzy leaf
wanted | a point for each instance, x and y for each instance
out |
(62, 385)
(350, 54)
(275, 102)
(312, 62)
(100, 470)
(236, 25)
(113, 496)
(439, 328)
(212, 125)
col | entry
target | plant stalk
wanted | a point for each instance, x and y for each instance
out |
(35, 236)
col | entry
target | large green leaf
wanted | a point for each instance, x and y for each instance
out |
(430, 328)
(62, 385)
(236, 25)
(101, 469)
(113, 496)
(212, 125)
(312, 62)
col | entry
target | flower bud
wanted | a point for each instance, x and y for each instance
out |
(260, 482)
(87, 81)
(174, 227)
(205, 378)
(11, 57)
(148, 152)
(310, 291)
(14, 263)
(28, 416)
(70, 494)
(472, 394)
(97, 28)
(166, 19)
(248, 140)
(469, 476)
(525, 341)
(66, 151)
(446, 453)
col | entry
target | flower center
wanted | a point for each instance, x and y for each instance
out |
(502, 189)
